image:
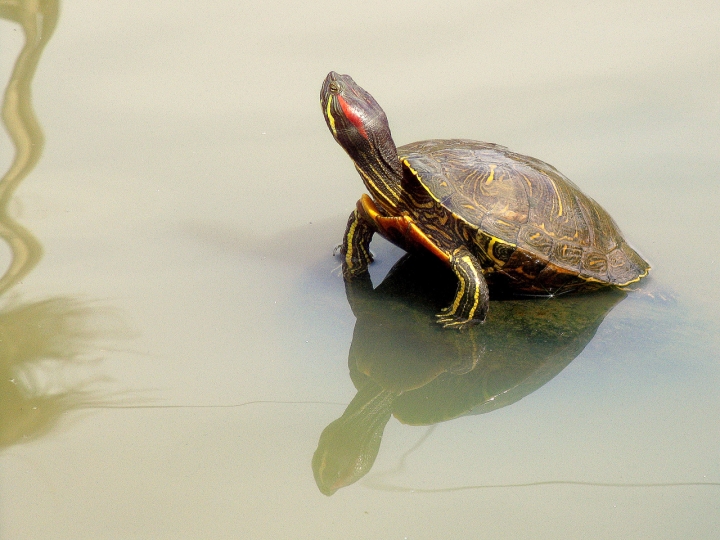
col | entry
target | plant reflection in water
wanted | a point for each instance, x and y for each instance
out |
(37, 339)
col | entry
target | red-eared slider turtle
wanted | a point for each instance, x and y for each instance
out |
(487, 212)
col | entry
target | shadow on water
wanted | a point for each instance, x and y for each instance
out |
(37, 339)
(405, 365)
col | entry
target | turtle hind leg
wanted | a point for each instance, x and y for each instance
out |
(472, 298)
(355, 249)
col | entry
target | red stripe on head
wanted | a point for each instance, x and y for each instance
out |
(354, 118)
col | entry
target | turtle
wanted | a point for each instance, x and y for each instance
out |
(490, 214)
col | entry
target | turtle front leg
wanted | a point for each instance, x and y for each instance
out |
(355, 248)
(472, 298)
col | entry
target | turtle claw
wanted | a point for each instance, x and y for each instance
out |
(453, 321)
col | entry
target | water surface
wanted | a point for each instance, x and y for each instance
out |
(175, 334)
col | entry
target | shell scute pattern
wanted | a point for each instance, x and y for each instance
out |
(527, 219)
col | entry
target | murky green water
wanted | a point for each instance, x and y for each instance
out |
(178, 354)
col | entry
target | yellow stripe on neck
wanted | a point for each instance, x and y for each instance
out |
(330, 116)
(375, 189)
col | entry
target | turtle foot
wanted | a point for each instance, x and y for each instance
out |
(453, 321)
(355, 273)
(357, 266)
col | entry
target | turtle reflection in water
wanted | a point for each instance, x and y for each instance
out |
(404, 364)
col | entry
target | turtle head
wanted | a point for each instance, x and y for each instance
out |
(359, 124)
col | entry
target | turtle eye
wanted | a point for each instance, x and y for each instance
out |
(335, 87)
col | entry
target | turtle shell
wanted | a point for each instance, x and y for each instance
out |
(526, 222)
